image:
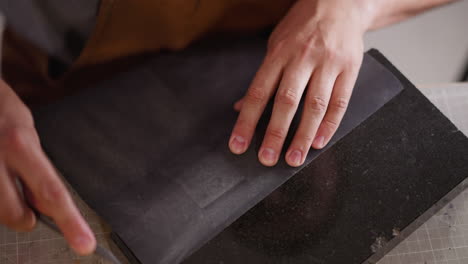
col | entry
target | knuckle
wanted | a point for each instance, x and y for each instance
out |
(331, 54)
(331, 124)
(275, 47)
(256, 95)
(287, 97)
(317, 104)
(309, 46)
(17, 139)
(245, 125)
(350, 63)
(309, 41)
(276, 134)
(52, 193)
(336, 56)
(306, 138)
(340, 104)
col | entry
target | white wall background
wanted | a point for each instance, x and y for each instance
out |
(431, 48)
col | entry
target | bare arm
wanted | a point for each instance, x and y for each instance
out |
(387, 12)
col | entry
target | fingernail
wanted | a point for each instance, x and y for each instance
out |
(268, 156)
(238, 144)
(84, 244)
(319, 142)
(27, 222)
(295, 158)
(30, 219)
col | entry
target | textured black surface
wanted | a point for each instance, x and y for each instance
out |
(148, 151)
(379, 178)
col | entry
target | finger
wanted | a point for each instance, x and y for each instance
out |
(315, 106)
(258, 94)
(287, 99)
(238, 105)
(49, 193)
(337, 108)
(13, 210)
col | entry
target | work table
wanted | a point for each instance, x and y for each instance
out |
(438, 239)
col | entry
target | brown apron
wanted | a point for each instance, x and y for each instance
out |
(127, 29)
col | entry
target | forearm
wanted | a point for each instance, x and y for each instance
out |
(386, 12)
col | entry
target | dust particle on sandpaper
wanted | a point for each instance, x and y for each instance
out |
(395, 232)
(379, 243)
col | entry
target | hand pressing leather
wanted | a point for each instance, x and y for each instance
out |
(21, 157)
(316, 52)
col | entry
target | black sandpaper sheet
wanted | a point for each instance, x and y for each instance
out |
(147, 149)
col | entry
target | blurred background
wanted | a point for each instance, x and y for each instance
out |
(431, 48)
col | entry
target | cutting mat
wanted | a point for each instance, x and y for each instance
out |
(43, 246)
(440, 238)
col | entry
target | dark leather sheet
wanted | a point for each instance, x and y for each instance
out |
(147, 149)
(366, 190)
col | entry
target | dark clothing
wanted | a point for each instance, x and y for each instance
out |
(45, 55)
(60, 28)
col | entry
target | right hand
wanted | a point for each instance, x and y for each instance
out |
(22, 157)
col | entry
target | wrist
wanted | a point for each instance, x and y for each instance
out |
(359, 14)
(370, 11)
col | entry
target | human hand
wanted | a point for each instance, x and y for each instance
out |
(318, 47)
(21, 157)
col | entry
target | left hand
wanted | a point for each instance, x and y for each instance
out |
(318, 47)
